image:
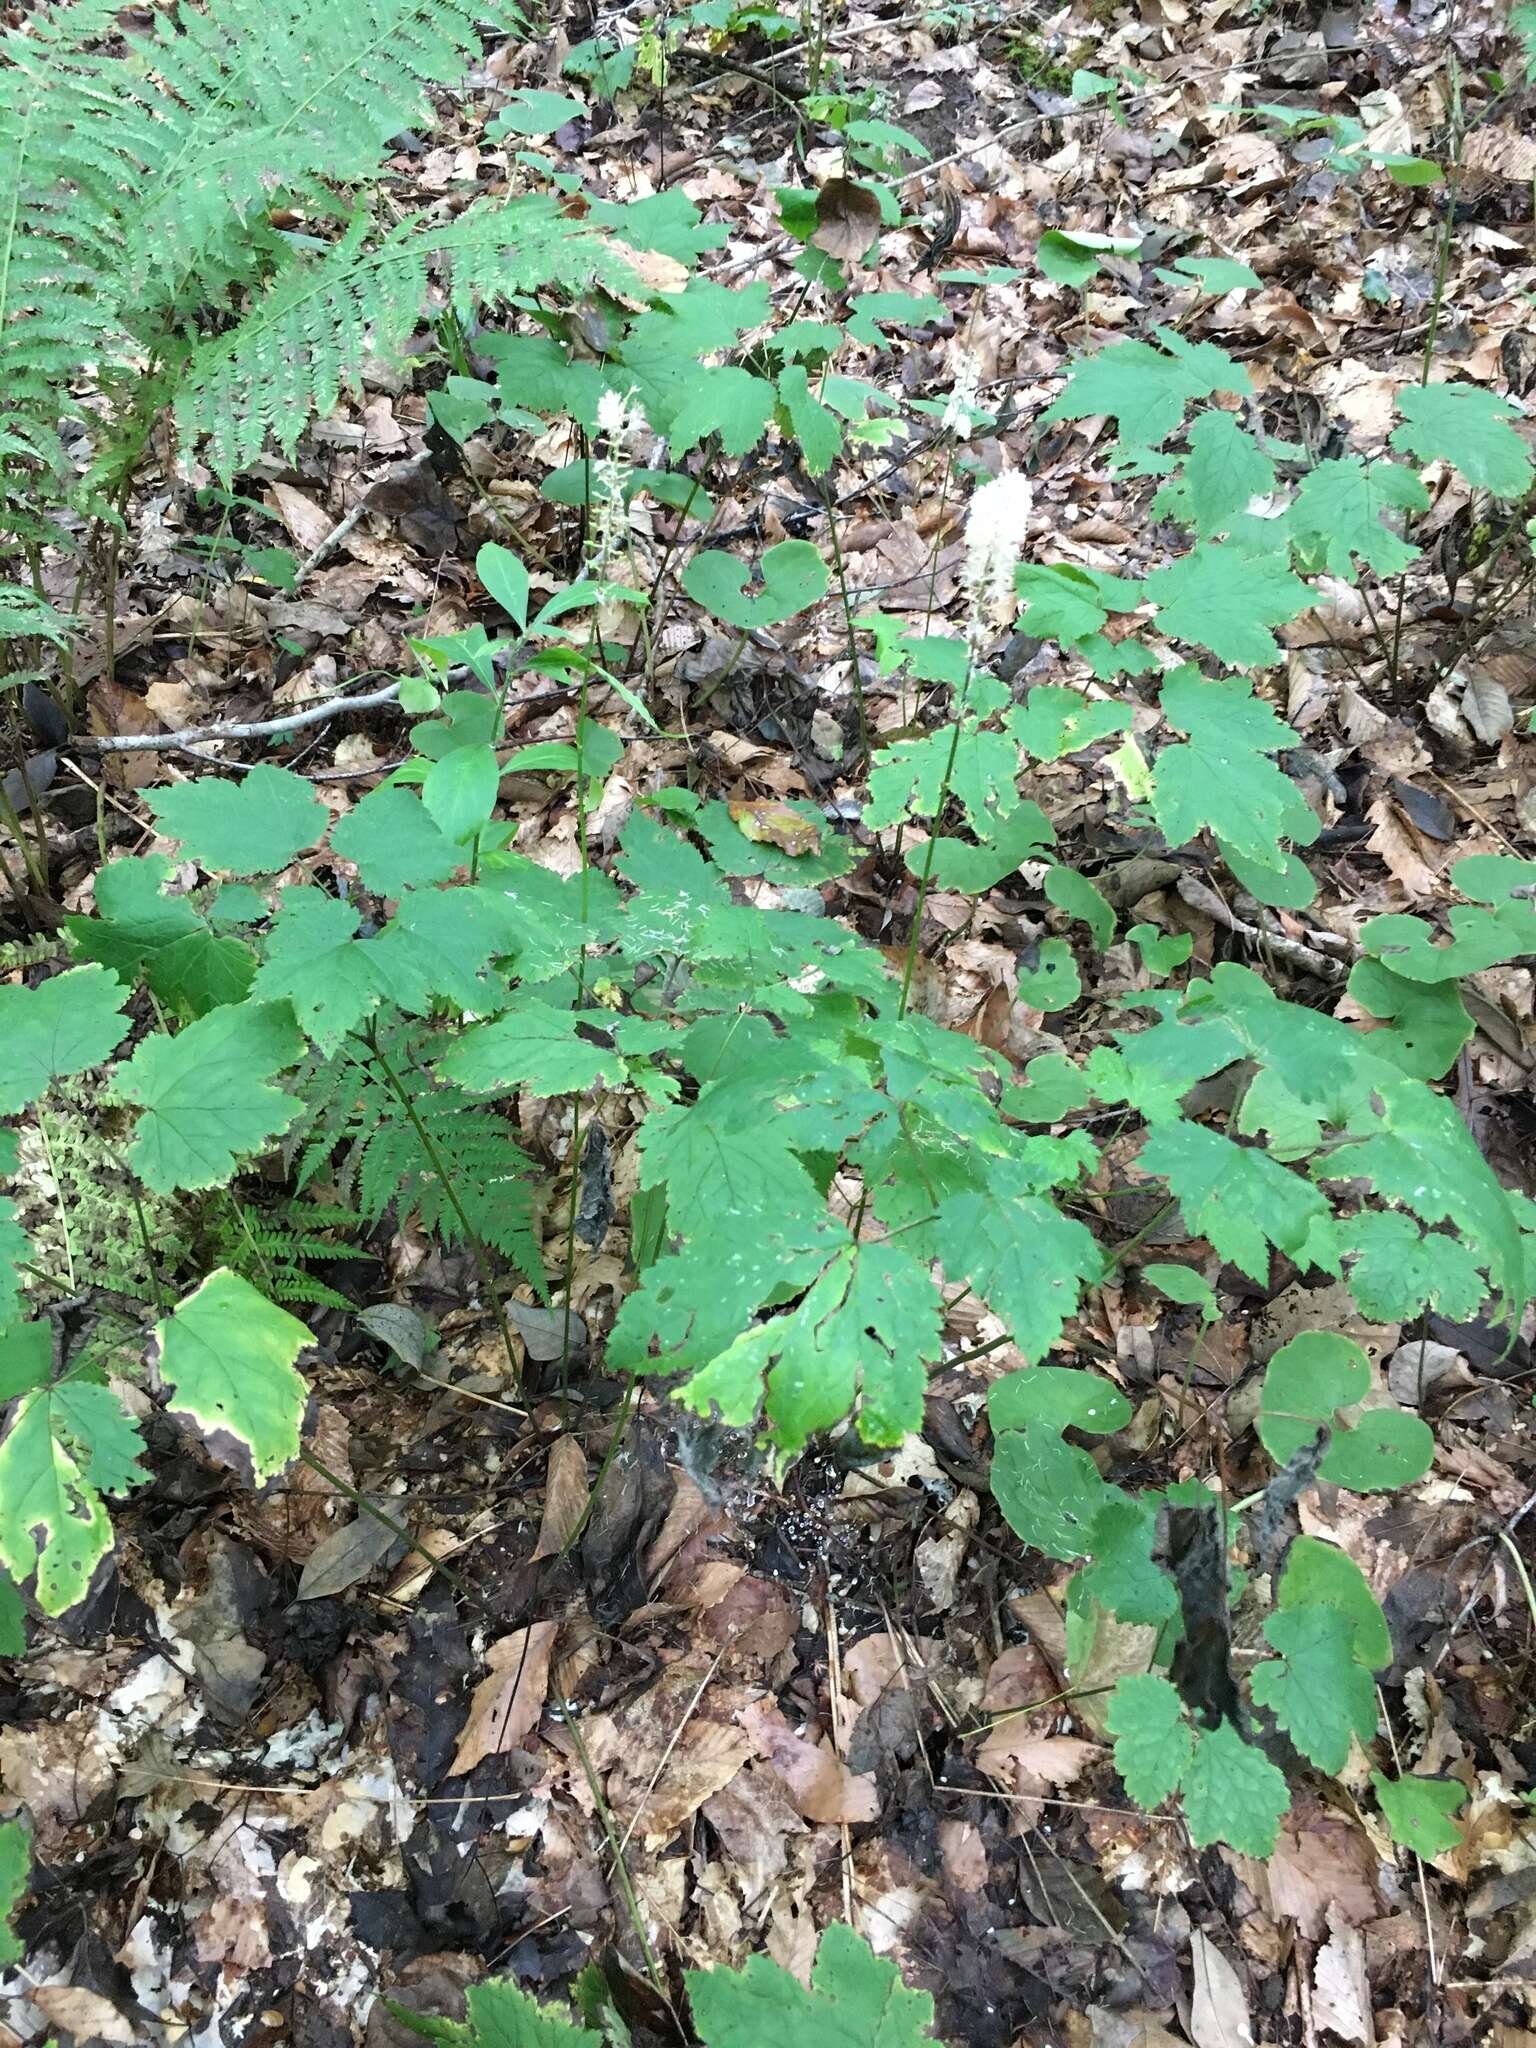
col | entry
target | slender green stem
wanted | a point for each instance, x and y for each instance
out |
(574, 1157)
(932, 846)
(434, 1158)
(855, 674)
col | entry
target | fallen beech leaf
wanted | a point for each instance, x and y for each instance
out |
(507, 1704)
(565, 1497)
(767, 823)
(660, 273)
(847, 219)
(820, 1784)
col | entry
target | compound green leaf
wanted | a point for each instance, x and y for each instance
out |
(856, 2000)
(227, 1354)
(1315, 1689)
(1053, 722)
(15, 1865)
(395, 843)
(1319, 1574)
(1145, 389)
(250, 827)
(1224, 471)
(1019, 835)
(202, 972)
(314, 959)
(13, 1249)
(1241, 1200)
(1064, 603)
(95, 1423)
(1342, 509)
(1223, 779)
(1233, 1793)
(1470, 427)
(207, 1096)
(1026, 1260)
(1505, 930)
(1401, 1270)
(1154, 1745)
(730, 402)
(64, 1026)
(534, 1046)
(1418, 1811)
(1220, 597)
(441, 943)
(793, 574)
(859, 1343)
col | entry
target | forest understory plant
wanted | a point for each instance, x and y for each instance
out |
(824, 1173)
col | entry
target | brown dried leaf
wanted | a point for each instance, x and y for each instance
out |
(847, 220)
(1501, 151)
(565, 1497)
(507, 1704)
(115, 713)
(820, 1784)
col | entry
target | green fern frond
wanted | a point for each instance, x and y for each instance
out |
(307, 335)
(490, 1174)
(274, 1248)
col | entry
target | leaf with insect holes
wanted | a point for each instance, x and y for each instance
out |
(68, 1442)
(1153, 1742)
(227, 1355)
(1315, 1689)
(793, 574)
(1145, 389)
(1311, 1384)
(856, 2000)
(250, 827)
(859, 1343)
(1026, 1260)
(1241, 1200)
(1470, 427)
(207, 1097)
(1342, 508)
(1400, 1270)
(1418, 1812)
(395, 844)
(1222, 778)
(65, 1025)
(1221, 597)
(537, 1047)
(1425, 1024)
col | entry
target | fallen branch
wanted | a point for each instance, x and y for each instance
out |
(258, 729)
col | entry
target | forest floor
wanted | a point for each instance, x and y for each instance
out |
(781, 1702)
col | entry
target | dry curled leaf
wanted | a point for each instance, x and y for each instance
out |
(847, 220)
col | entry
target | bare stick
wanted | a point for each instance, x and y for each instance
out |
(260, 729)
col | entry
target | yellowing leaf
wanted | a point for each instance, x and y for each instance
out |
(768, 823)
